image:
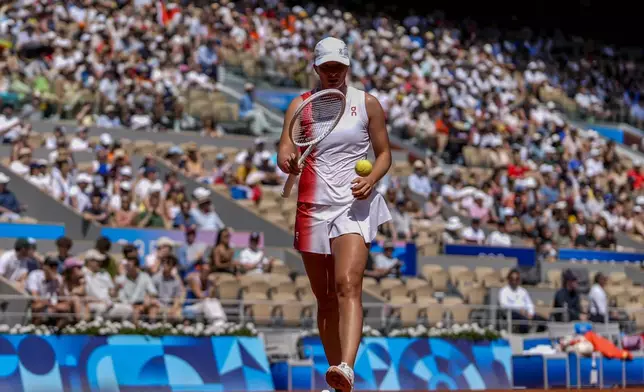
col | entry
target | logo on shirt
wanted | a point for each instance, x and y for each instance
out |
(354, 111)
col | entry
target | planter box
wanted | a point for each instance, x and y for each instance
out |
(78, 363)
(395, 364)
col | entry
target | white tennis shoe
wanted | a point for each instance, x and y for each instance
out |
(340, 377)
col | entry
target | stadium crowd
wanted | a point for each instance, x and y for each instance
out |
(495, 104)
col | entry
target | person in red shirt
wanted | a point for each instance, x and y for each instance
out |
(636, 175)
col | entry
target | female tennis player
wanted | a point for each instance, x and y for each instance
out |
(338, 212)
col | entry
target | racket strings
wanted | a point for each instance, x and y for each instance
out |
(317, 118)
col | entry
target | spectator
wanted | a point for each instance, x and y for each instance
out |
(9, 206)
(203, 214)
(385, 264)
(252, 260)
(21, 166)
(164, 248)
(138, 290)
(74, 287)
(516, 299)
(46, 286)
(190, 252)
(150, 181)
(101, 290)
(169, 288)
(153, 215)
(400, 226)
(194, 165)
(500, 236)
(221, 256)
(95, 211)
(64, 246)
(452, 233)
(14, 263)
(200, 295)
(249, 112)
(474, 234)
(126, 214)
(80, 142)
(183, 220)
(78, 194)
(433, 207)
(418, 181)
(221, 173)
(245, 170)
(62, 180)
(569, 299)
(39, 175)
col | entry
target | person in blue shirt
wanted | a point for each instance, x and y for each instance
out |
(183, 220)
(248, 111)
(208, 58)
(9, 206)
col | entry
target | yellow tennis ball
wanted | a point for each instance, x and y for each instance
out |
(363, 167)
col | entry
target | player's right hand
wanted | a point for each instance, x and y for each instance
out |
(291, 165)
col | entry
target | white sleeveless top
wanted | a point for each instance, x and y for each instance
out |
(329, 169)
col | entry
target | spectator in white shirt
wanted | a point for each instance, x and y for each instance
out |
(21, 166)
(474, 234)
(150, 179)
(385, 264)
(516, 299)
(101, 290)
(80, 142)
(452, 233)
(46, 286)
(62, 180)
(203, 214)
(252, 260)
(13, 263)
(500, 236)
(418, 181)
(79, 193)
(598, 307)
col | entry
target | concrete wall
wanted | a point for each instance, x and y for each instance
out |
(44, 208)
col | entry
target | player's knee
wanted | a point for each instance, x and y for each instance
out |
(348, 287)
(327, 301)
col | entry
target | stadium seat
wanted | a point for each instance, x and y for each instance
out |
(228, 290)
(429, 269)
(388, 283)
(395, 291)
(409, 315)
(434, 313)
(439, 280)
(420, 293)
(257, 287)
(261, 314)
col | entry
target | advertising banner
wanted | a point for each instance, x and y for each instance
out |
(525, 256)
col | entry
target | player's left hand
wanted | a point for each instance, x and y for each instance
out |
(361, 187)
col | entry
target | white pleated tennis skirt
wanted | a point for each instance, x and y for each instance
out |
(316, 225)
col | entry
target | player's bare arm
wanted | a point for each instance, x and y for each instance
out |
(288, 154)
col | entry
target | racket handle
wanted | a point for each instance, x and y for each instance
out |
(288, 185)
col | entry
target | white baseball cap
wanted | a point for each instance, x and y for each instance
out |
(331, 49)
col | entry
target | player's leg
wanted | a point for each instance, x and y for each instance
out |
(319, 268)
(350, 259)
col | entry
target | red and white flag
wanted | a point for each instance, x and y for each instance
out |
(166, 13)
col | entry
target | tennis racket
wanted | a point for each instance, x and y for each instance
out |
(312, 121)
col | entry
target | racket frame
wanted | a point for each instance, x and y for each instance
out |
(292, 178)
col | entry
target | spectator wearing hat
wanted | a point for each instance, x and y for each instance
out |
(200, 294)
(52, 141)
(385, 264)
(164, 247)
(124, 190)
(222, 171)
(74, 287)
(175, 157)
(203, 214)
(170, 290)
(190, 252)
(153, 214)
(248, 111)
(136, 288)
(9, 206)
(14, 263)
(194, 165)
(109, 119)
(78, 194)
(418, 181)
(252, 259)
(22, 165)
(46, 287)
(39, 176)
(452, 233)
(568, 299)
(245, 170)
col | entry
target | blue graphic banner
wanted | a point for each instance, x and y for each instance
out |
(276, 99)
(30, 363)
(524, 256)
(36, 231)
(610, 133)
(395, 364)
(598, 255)
(405, 252)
